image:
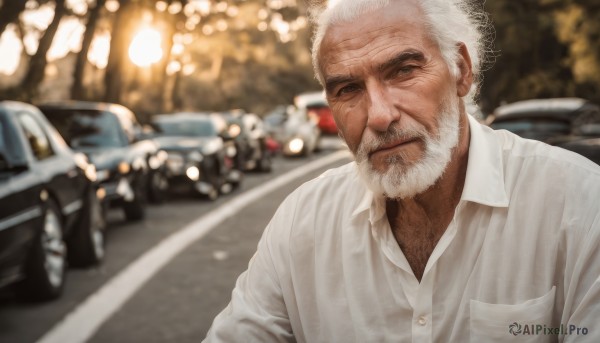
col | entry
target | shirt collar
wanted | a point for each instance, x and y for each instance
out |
(484, 182)
(375, 205)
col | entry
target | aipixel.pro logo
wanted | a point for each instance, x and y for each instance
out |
(516, 329)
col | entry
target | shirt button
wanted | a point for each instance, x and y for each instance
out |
(422, 321)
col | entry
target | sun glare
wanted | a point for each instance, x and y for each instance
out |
(99, 51)
(10, 52)
(145, 49)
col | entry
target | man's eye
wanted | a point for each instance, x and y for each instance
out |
(405, 70)
(347, 89)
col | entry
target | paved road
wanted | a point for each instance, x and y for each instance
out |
(180, 301)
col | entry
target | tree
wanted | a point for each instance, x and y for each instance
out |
(578, 28)
(36, 68)
(126, 15)
(77, 89)
(9, 12)
(171, 24)
(527, 54)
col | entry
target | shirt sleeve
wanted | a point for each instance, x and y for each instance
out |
(583, 293)
(257, 312)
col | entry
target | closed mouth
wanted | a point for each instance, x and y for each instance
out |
(393, 145)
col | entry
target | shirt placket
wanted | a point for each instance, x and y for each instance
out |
(422, 321)
(422, 328)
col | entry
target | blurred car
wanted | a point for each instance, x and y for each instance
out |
(316, 105)
(300, 136)
(570, 123)
(50, 205)
(129, 166)
(251, 141)
(198, 157)
(296, 132)
(275, 119)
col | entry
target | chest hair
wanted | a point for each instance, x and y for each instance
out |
(417, 236)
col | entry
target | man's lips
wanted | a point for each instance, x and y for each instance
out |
(393, 145)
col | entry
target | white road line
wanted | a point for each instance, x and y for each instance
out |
(81, 324)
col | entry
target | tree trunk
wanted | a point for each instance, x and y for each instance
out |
(160, 79)
(113, 79)
(37, 64)
(77, 89)
(9, 12)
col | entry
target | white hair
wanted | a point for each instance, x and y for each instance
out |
(449, 22)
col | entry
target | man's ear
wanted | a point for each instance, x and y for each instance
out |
(465, 71)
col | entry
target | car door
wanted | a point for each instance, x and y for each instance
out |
(62, 178)
(20, 203)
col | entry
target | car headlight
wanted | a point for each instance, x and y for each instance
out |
(154, 162)
(195, 156)
(296, 145)
(124, 167)
(234, 130)
(231, 151)
(193, 173)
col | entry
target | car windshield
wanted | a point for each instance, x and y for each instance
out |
(87, 128)
(188, 128)
(275, 119)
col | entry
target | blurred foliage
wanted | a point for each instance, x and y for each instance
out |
(543, 48)
(255, 54)
(250, 54)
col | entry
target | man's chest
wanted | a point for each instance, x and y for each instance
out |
(467, 280)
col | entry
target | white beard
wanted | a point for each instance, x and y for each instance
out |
(402, 180)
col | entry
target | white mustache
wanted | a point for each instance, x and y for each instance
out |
(393, 134)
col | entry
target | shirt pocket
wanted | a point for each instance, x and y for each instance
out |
(507, 323)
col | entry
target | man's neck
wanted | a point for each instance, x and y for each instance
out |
(418, 223)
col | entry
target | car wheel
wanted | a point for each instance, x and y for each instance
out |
(86, 245)
(317, 147)
(307, 152)
(216, 180)
(158, 187)
(46, 265)
(136, 210)
(213, 194)
(265, 164)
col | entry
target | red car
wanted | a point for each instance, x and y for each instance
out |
(317, 107)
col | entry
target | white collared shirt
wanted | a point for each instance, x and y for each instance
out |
(520, 258)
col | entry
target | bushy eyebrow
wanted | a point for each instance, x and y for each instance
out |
(404, 56)
(331, 82)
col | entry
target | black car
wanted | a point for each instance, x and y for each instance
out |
(198, 156)
(249, 135)
(129, 166)
(570, 123)
(50, 205)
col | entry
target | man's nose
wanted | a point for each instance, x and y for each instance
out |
(381, 110)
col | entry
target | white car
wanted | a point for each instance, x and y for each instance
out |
(298, 134)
